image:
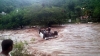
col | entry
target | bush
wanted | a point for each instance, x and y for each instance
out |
(19, 49)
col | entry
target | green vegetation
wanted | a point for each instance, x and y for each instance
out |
(19, 13)
(19, 49)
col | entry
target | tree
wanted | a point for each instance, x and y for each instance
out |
(46, 15)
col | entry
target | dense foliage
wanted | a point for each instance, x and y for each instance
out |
(19, 13)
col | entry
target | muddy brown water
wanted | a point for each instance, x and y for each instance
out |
(73, 40)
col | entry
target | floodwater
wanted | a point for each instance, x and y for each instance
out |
(73, 40)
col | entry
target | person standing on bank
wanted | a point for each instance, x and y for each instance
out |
(7, 46)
